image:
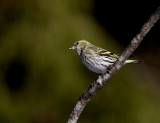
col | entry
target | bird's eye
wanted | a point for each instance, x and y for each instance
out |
(76, 43)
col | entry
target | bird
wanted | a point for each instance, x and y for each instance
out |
(96, 59)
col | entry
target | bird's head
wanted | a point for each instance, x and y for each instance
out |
(79, 46)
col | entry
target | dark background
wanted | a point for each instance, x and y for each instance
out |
(41, 79)
(124, 19)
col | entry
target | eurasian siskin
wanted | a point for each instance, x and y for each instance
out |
(95, 58)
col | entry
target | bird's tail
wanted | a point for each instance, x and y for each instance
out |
(133, 61)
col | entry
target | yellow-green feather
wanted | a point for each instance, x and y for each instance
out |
(84, 41)
(107, 53)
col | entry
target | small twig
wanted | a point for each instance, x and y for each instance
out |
(102, 79)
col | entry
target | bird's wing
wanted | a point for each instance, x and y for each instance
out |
(107, 53)
(103, 52)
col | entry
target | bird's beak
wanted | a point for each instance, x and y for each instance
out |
(72, 48)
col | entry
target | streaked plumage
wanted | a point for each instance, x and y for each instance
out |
(95, 58)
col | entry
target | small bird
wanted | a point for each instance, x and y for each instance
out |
(95, 58)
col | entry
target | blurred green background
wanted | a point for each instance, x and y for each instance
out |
(41, 79)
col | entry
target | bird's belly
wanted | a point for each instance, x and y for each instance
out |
(97, 68)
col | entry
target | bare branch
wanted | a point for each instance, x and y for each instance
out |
(102, 79)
